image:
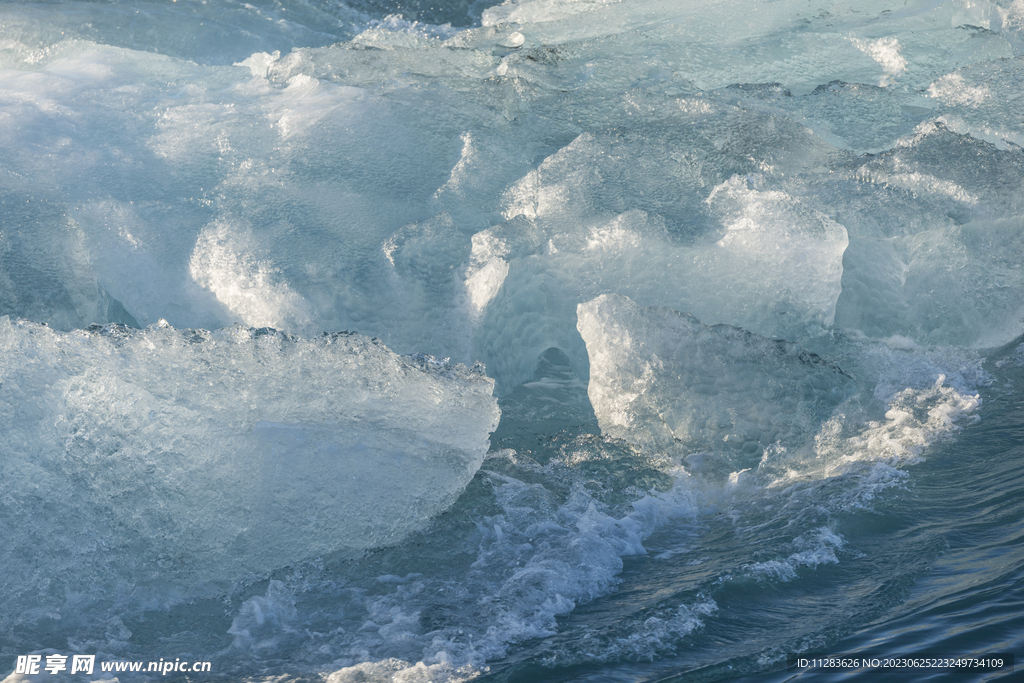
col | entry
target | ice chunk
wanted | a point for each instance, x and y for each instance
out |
(797, 43)
(207, 33)
(534, 11)
(45, 269)
(659, 377)
(193, 456)
(250, 289)
(885, 51)
(939, 264)
(951, 285)
(854, 116)
(941, 161)
(730, 250)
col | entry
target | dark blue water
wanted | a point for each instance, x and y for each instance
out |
(934, 567)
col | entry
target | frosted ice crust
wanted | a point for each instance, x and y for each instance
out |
(200, 456)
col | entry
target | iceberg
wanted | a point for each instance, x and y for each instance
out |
(181, 457)
(663, 379)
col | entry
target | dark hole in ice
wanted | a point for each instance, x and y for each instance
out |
(553, 364)
(554, 401)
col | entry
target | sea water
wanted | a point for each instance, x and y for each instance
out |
(547, 340)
